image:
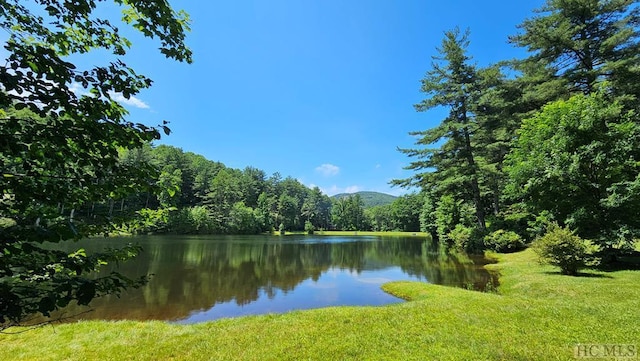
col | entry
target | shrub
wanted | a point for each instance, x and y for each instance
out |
(465, 238)
(201, 220)
(503, 241)
(514, 218)
(7, 223)
(308, 227)
(192, 220)
(563, 248)
(151, 221)
(460, 237)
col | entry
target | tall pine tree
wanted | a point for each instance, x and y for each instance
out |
(452, 166)
(585, 42)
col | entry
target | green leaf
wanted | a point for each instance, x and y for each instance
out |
(86, 292)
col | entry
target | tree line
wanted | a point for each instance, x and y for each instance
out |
(193, 195)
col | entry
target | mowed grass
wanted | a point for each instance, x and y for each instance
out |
(538, 315)
(363, 233)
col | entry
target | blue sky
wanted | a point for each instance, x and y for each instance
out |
(322, 91)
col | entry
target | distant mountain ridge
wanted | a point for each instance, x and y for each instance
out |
(370, 199)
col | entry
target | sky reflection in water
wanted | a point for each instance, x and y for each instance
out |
(204, 278)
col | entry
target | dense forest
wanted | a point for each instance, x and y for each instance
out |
(194, 195)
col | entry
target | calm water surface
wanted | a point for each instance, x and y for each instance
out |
(209, 277)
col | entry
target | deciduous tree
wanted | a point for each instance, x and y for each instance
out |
(579, 160)
(62, 155)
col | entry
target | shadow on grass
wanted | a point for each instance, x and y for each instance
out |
(619, 266)
(580, 274)
(620, 261)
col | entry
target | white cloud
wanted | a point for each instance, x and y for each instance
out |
(132, 101)
(330, 191)
(378, 166)
(396, 191)
(334, 189)
(79, 91)
(328, 170)
(352, 189)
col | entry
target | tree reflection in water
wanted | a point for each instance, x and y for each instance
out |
(202, 278)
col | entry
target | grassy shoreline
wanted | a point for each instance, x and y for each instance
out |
(361, 233)
(538, 315)
(316, 233)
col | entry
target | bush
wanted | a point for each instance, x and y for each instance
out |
(193, 220)
(150, 221)
(7, 223)
(200, 220)
(465, 238)
(308, 227)
(515, 218)
(563, 248)
(503, 241)
(460, 237)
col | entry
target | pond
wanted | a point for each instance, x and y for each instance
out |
(201, 278)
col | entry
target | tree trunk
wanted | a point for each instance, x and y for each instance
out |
(475, 188)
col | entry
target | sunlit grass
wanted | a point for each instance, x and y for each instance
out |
(363, 233)
(538, 315)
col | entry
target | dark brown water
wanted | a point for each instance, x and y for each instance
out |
(209, 277)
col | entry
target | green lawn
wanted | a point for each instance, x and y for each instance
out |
(538, 314)
(364, 233)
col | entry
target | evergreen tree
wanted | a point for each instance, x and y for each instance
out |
(585, 42)
(452, 167)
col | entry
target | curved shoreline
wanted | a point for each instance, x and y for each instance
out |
(539, 315)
